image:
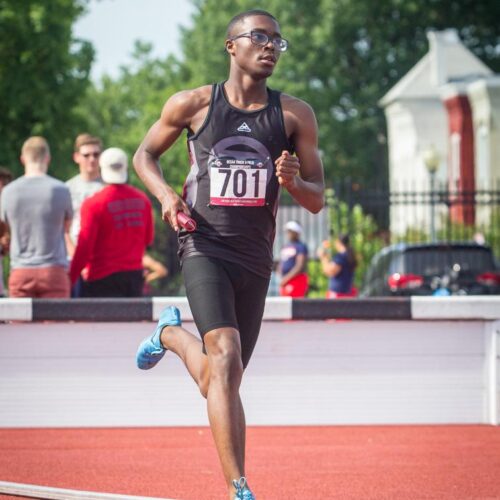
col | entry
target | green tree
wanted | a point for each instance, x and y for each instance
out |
(43, 73)
(364, 234)
(121, 110)
(344, 56)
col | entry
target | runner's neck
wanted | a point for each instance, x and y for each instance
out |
(246, 94)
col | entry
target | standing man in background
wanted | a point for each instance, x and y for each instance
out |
(116, 228)
(37, 210)
(87, 182)
(241, 138)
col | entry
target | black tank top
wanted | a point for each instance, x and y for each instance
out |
(232, 188)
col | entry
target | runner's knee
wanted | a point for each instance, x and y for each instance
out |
(224, 353)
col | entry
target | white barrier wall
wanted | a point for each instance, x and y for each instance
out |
(302, 372)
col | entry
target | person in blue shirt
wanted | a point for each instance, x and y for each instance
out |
(339, 268)
(293, 261)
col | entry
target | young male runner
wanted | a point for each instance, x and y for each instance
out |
(241, 138)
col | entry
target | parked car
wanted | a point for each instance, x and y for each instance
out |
(427, 269)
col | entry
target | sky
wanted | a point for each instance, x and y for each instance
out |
(113, 25)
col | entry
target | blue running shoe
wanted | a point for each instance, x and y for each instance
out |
(151, 351)
(242, 491)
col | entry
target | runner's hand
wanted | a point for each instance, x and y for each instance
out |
(170, 205)
(287, 168)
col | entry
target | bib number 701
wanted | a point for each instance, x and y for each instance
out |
(238, 186)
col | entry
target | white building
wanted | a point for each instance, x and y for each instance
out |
(417, 119)
(484, 97)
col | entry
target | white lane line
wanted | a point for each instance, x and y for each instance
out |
(48, 493)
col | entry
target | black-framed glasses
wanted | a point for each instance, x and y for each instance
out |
(261, 39)
(94, 155)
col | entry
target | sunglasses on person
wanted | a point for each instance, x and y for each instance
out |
(262, 39)
(88, 155)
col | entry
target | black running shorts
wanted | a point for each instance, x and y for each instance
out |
(225, 294)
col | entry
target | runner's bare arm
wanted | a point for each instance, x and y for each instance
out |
(302, 175)
(177, 114)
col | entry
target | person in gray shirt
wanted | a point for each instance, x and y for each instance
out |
(37, 210)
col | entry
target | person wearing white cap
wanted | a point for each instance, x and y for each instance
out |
(293, 261)
(116, 228)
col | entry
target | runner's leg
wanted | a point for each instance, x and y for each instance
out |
(211, 286)
(218, 376)
(225, 411)
(190, 349)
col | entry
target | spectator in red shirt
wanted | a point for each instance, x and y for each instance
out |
(116, 228)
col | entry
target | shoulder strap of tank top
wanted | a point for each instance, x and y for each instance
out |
(218, 94)
(275, 101)
(213, 99)
(274, 97)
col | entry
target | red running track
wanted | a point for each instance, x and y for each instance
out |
(292, 463)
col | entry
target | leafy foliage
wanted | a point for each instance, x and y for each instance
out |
(364, 234)
(365, 237)
(43, 74)
(121, 111)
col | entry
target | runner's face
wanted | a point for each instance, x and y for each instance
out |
(254, 59)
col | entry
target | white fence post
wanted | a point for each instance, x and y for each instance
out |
(492, 372)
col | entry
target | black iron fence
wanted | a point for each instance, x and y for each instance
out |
(416, 215)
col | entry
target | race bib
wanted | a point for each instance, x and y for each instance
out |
(239, 183)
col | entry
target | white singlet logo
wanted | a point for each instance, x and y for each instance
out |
(244, 128)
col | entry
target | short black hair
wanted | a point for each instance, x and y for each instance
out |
(241, 17)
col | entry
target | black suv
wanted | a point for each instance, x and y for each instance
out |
(422, 269)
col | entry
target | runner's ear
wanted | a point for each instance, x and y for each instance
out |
(229, 46)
